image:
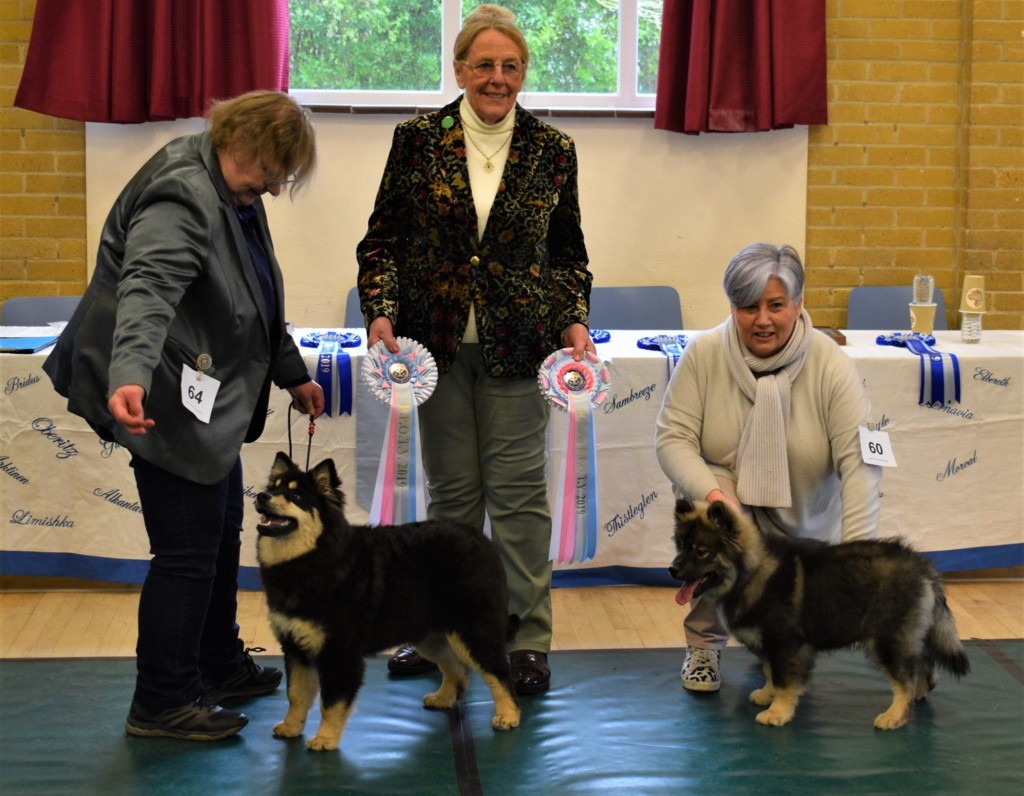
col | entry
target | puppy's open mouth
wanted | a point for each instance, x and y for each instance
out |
(695, 588)
(273, 525)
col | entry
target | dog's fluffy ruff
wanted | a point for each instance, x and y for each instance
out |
(786, 599)
(338, 592)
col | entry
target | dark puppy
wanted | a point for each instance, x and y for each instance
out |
(786, 599)
(338, 592)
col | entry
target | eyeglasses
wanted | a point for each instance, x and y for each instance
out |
(510, 69)
(268, 184)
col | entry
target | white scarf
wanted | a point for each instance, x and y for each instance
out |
(762, 464)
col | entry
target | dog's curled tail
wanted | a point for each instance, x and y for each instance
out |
(943, 640)
(513, 628)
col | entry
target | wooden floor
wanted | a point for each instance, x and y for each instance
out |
(48, 620)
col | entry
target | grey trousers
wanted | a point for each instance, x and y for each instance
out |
(484, 453)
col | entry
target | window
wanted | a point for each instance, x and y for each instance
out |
(584, 54)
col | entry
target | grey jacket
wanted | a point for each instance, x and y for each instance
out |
(173, 281)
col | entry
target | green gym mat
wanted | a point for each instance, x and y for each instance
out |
(614, 721)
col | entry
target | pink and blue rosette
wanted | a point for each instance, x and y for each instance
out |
(403, 381)
(576, 387)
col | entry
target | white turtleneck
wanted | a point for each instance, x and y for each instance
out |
(494, 140)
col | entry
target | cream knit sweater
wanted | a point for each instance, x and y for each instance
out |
(835, 494)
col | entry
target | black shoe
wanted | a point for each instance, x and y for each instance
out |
(530, 672)
(201, 720)
(407, 662)
(250, 680)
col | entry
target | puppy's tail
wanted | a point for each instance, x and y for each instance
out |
(943, 640)
(513, 628)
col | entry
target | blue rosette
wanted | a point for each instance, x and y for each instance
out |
(939, 372)
(343, 339)
(671, 345)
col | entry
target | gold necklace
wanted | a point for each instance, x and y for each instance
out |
(488, 166)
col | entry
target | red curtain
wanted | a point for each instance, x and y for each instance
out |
(150, 60)
(735, 66)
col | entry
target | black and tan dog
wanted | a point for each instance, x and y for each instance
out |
(338, 592)
(786, 599)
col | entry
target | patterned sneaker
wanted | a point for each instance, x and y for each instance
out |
(250, 680)
(201, 720)
(700, 670)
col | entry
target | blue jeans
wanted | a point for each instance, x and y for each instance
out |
(187, 609)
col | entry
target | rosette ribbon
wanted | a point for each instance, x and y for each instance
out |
(403, 381)
(940, 372)
(333, 368)
(576, 387)
(671, 345)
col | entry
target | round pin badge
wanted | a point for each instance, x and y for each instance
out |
(561, 378)
(413, 365)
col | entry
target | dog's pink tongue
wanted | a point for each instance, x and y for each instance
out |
(685, 593)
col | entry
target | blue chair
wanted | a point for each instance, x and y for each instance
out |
(353, 314)
(37, 310)
(885, 307)
(635, 307)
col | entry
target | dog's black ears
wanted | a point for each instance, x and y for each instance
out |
(281, 464)
(325, 476)
(720, 514)
(684, 506)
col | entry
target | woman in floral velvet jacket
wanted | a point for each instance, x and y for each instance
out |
(474, 249)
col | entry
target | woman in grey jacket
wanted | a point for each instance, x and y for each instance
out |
(172, 353)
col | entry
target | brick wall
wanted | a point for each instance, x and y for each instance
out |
(920, 167)
(42, 181)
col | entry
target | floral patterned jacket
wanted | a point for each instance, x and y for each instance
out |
(422, 265)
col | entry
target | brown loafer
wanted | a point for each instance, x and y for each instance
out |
(407, 662)
(530, 672)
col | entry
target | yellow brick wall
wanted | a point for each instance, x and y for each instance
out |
(919, 168)
(42, 181)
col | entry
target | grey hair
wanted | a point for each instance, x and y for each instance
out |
(747, 274)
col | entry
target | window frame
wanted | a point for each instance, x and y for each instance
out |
(626, 101)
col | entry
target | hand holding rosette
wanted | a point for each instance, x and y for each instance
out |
(576, 387)
(403, 381)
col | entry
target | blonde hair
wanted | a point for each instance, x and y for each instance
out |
(490, 17)
(268, 126)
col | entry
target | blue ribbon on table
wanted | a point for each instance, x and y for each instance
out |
(334, 367)
(671, 345)
(600, 335)
(940, 372)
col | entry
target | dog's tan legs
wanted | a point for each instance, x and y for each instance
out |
(332, 724)
(506, 711)
(899, 711)
(303, 683)
(763, 696)
(783, 706)
(926, 681)
(454, 675)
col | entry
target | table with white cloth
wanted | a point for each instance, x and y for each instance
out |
(70, 506)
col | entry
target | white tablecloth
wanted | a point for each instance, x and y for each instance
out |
(70, 506)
